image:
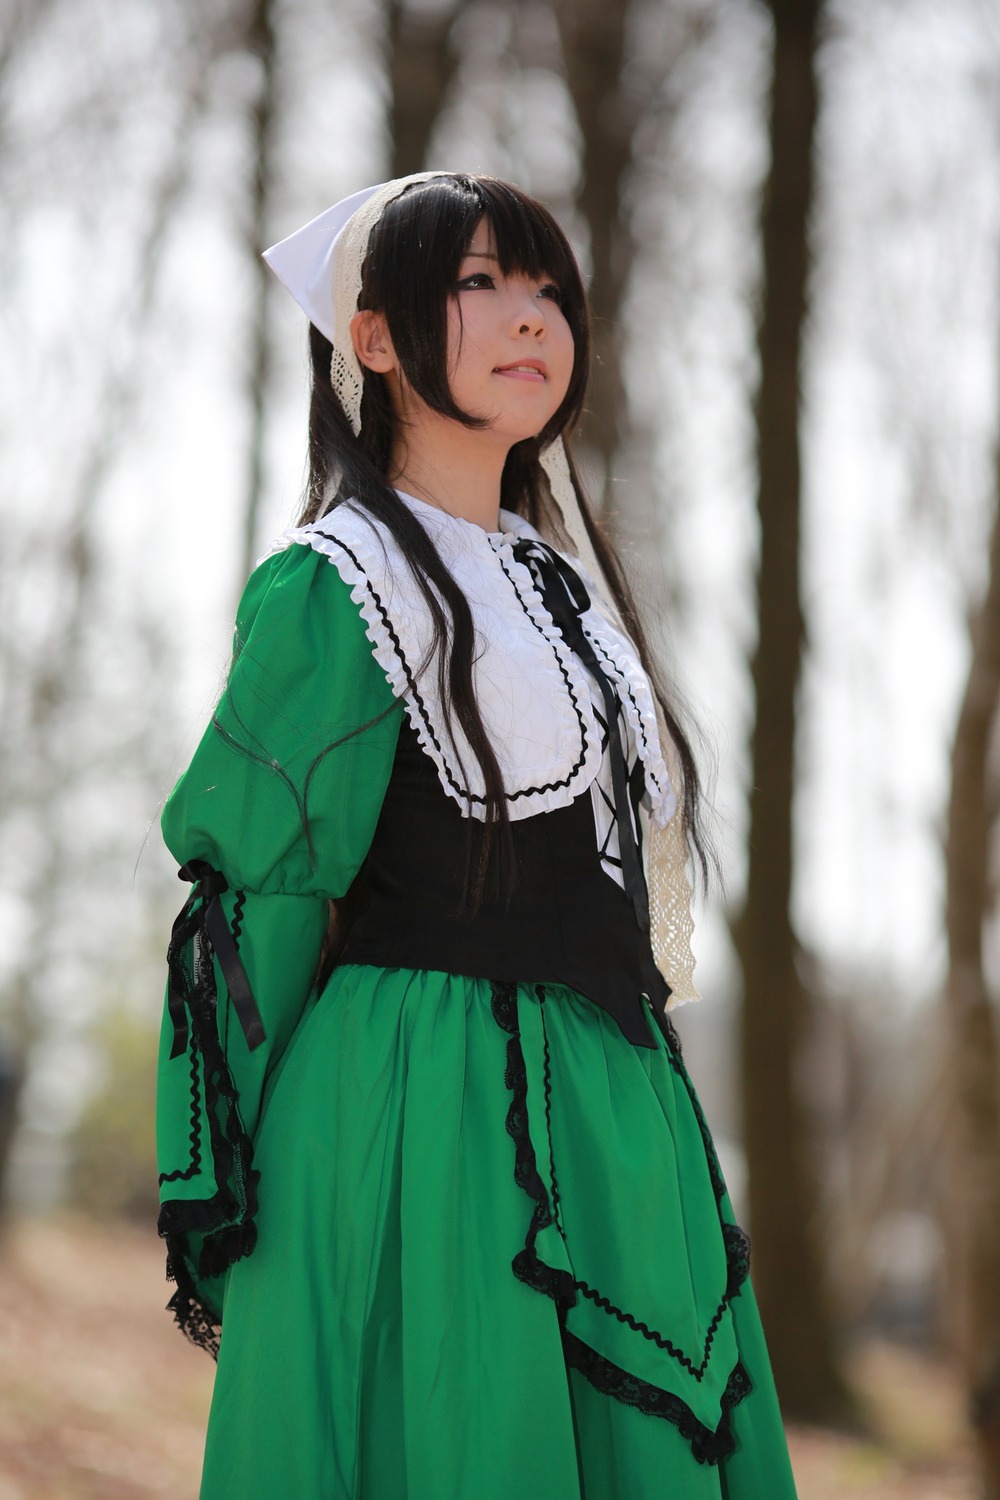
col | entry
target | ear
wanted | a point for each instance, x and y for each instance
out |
(372, 344)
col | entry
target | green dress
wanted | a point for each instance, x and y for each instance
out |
(465, 1241)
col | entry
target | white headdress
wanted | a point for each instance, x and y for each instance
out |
(321, 265)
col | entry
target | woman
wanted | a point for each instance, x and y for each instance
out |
(438, 1162)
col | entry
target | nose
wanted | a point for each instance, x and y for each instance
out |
(528, 315)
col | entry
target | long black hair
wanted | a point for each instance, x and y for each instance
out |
(410, 272)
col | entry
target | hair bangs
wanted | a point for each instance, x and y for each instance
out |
(528, 240)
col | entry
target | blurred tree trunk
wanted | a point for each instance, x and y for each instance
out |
(975, 1176)
(593, 34)
(420, 64)
(260, 42)
(44, 686)
(782, 1180)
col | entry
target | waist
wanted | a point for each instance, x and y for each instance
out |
(561, 921)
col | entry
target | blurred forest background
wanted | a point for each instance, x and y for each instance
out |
(789, 215)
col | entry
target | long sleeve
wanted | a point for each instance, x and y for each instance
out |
(272, 819)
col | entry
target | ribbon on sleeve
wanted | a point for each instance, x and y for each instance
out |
(202, 917)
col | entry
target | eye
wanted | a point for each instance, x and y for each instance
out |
(551, 291)
(479, 281)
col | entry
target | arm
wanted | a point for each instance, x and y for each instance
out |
(272, 820)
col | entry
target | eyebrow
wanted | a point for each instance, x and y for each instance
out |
(480, 255)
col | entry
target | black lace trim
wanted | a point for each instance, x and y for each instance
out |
(194, 1315)
(737, 1240)
(553, 1183)
(205, 1236)
(708, 1447)
(563, 1288)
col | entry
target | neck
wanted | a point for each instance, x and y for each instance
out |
(460, 475)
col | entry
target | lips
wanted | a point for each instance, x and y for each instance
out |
(524, 369)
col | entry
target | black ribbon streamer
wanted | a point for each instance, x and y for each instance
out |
(565, 597)
(203, 916)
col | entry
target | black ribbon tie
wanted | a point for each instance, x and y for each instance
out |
(203, 916)
(565, 597)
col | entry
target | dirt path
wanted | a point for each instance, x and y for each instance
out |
(101, 1398)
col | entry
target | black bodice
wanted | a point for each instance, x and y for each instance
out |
(563, 922)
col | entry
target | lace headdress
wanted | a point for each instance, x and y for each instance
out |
(321, 264)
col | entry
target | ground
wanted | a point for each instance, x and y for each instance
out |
(101, 1398)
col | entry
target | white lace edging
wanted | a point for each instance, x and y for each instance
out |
(668, 857)
(350, 249)
(671, 923)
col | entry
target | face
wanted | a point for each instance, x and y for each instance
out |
(510, 349)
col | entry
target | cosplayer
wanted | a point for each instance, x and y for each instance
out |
(430, 1157)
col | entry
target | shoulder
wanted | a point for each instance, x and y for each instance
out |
(288, 582)
(374, 581)
(298, 608)
(347, 545)
(301, 648)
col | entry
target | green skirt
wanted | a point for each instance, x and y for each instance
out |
(495, 1262)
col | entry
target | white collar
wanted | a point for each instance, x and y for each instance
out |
(536, 699)
(511, 524)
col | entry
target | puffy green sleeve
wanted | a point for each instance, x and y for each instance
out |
(272, 819)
